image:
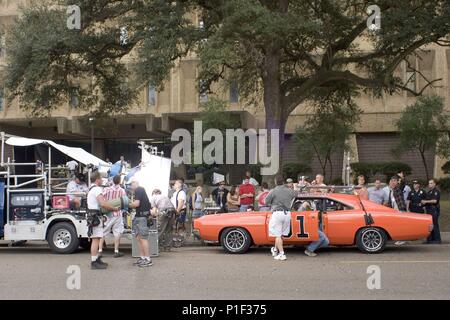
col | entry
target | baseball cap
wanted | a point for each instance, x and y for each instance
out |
(289, 180)
(416, 182)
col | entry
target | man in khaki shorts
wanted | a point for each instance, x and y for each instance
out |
(114, 220)
(95, 201)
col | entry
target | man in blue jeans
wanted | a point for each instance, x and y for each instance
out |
(313, 246)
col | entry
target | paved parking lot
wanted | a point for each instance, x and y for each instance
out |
(412, 271)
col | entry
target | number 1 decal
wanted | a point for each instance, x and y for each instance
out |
(302, 233)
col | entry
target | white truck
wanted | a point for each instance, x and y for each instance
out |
(34, 204)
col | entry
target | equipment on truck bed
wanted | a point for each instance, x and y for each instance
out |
(34, 203)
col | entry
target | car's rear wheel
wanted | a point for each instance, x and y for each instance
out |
(62, 238)
(371, 240)
(235, 240)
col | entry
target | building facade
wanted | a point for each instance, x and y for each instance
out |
(157, 114)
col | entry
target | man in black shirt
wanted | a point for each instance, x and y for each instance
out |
(433, 208)
(140, 223)
(220, 196)
(415, 198)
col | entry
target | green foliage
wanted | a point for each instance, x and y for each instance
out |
(214, 115)
(424, 126)
(293, 170)
(446, 167)
(387, 169)
(326, 131)
(392, 168)
(444, 184)
(337, 182)
(288, 52)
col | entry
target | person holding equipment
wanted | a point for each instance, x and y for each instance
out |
(116, 196)
(95, 201)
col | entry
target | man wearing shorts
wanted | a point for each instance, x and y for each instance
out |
(95, 201)
(280, 201)
(140, 224)
(114, 220)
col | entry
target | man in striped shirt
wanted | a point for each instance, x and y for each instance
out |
(114, 220)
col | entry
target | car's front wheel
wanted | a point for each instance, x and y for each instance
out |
(235, 240)
(371, 240)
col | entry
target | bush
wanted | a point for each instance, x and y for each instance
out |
(444, 184)
(365, 169)
(337, 182)
(387, 169)
(446, 167)
(293, 170)
(392, 168)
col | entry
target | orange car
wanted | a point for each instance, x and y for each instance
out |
(347, 220)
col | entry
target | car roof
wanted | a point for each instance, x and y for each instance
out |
(341, 197)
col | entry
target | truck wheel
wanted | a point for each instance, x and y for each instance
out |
(62, 238)
(371, 240)
(235, 240)
(85, 243)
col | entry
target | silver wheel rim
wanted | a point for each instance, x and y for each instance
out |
(235, 240)
(62, 238)
(372, 239)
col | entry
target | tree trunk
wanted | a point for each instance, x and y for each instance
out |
(275, 115)
(424, 161)
(331, 169)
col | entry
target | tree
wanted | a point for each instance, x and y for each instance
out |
(446, 167)
(326, 131)
(286, 52)
(214, 115)
(424, 126)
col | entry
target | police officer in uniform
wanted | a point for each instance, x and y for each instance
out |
(415, 198)
(432, 207)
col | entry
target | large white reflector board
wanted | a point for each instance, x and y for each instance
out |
(154, 173)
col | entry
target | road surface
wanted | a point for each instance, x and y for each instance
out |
(413, 271)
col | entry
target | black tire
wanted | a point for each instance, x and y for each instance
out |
(235, 240)
(371, 240)
(85, 243)
(62, 238)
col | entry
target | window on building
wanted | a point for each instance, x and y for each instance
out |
(234, 92)
(74, 100)
(151, 95)
(203, 95)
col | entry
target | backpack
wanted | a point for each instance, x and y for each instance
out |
(190, 203)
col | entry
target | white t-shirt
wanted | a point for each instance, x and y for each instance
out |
(72, 165)
(388, 192)
(92, 202)
(181, 196)
(73, 187)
